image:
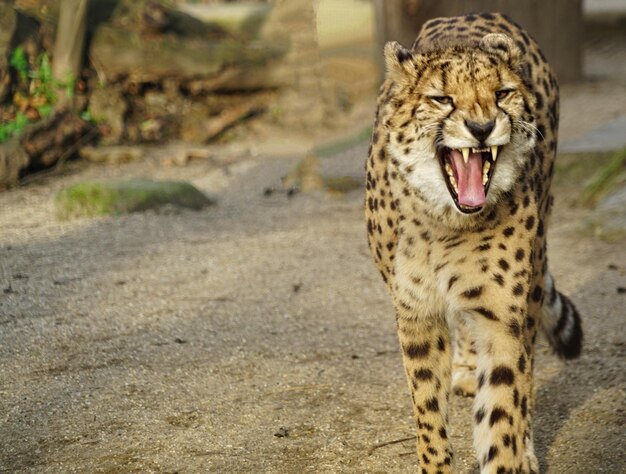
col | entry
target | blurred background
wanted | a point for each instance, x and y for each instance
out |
(185, 283)
(79, 73)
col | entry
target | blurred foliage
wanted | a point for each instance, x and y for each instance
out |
(604, 179)
(87, 116)
(19, 62)
(42, 83)
(586, 178)
(36, 92)
(13, 127)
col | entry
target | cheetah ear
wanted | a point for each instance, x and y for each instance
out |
(503, 47)
(398, 60)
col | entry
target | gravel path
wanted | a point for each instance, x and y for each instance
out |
(254, 336)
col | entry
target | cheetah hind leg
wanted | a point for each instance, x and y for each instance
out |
(464, 380)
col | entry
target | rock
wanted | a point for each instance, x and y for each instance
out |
(97, 198)
(282, 432)
(158, 19)
(155, 19)
(306, 177)
(125, 54)
(156, 129)
(237, 18)
(193, 122)
(141, 41)
(13, 159)
(109, 108)
(341, 184)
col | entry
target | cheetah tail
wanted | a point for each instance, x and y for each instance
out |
(560, 322)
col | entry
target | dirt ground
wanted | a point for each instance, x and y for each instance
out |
(256, 336)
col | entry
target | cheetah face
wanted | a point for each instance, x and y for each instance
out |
(460, 121)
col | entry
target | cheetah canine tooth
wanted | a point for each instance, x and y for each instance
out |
(494, 152)
(465, 152)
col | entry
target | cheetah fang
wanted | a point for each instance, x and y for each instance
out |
(467, 174)
(457, 204)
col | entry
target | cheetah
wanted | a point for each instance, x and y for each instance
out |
(457, 201)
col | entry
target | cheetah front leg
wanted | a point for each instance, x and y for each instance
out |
(426, 355)
(502, 432)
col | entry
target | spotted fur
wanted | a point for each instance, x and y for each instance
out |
(483, 274)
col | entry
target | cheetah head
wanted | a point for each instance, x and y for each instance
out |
(460, 120)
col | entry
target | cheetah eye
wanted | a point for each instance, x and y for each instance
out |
(442, 99)
(501, 94)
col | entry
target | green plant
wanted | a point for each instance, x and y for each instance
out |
(38, 89)
(13, 127)
(87, 116)
(70, 85)
(45, 110)
(44, 84)
(19, 62)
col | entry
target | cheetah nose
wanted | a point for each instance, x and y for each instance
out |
(480, 130)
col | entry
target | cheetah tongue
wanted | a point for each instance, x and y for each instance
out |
(469, 178)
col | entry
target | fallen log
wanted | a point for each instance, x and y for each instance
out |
(228, 118)
(55, 138)
(233, 79)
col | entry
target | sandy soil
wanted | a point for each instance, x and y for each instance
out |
(254, 336)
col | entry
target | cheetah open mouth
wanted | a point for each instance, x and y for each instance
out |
(467, 173)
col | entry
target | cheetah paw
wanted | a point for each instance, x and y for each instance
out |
(464, 382)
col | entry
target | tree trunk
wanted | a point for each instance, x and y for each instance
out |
(307, 101)
(556, 25)
(70, 43)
